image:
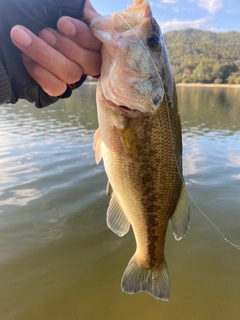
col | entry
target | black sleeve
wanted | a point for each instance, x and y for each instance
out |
(34, 15)
(5, 88)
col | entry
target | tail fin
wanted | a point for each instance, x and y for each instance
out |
(137, 278)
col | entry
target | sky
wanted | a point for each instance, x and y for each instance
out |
(213, 15)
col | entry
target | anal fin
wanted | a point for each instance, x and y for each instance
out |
(116, 219)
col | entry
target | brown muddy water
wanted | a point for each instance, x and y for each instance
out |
(59, 261)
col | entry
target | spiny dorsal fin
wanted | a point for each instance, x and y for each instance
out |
(180, 221)
(97, 145)
(116, 219)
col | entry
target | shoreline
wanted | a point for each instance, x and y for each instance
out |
(207, 85)
(210, 85)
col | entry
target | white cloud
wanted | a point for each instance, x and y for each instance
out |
(176, 9)
(176, 24)
(211, 6)
(233, 11)
(169, 1)
(163, 3)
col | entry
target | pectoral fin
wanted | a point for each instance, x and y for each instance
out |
(180, 221)
(131, 141)
(97, 146)
(116, 219)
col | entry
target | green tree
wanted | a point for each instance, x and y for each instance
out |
(234, 78)
(204, 56)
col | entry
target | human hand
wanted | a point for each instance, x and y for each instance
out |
(55, 59)
(36, 15)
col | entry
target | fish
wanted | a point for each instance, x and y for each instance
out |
(139, 139)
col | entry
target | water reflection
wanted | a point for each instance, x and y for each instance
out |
(58, 260)
(208, 109)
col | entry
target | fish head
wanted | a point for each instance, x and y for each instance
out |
(135, 71)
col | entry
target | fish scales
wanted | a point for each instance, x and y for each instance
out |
(156, 196)
(139, 139)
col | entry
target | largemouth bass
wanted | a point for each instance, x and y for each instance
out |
(139, 139)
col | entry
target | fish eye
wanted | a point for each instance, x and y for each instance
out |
(153, 41)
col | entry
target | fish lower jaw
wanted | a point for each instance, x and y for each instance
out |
(124, 110)
(134, 109)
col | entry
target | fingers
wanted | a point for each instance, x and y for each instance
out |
(89, 60)
(39, 51)
(54, 59)
(51, 84)
(79, 32)
(89, 11)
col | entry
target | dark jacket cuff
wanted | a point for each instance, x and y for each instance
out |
(5, 88)
(71, 87)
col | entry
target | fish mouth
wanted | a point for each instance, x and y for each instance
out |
(120, 107)
(129, 112)
(123, 108)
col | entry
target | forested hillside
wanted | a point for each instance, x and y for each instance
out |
(204, 56)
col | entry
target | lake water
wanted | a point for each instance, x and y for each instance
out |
(58, 259)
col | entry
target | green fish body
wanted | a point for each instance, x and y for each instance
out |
(139, 139)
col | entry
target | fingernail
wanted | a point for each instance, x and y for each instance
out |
(20, 36)
(66, 27)
(48, 37)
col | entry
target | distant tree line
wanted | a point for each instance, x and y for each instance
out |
(204, 56)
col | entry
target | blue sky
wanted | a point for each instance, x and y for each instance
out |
(214, 15)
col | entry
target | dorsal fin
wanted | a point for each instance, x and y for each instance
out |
(180, 220)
